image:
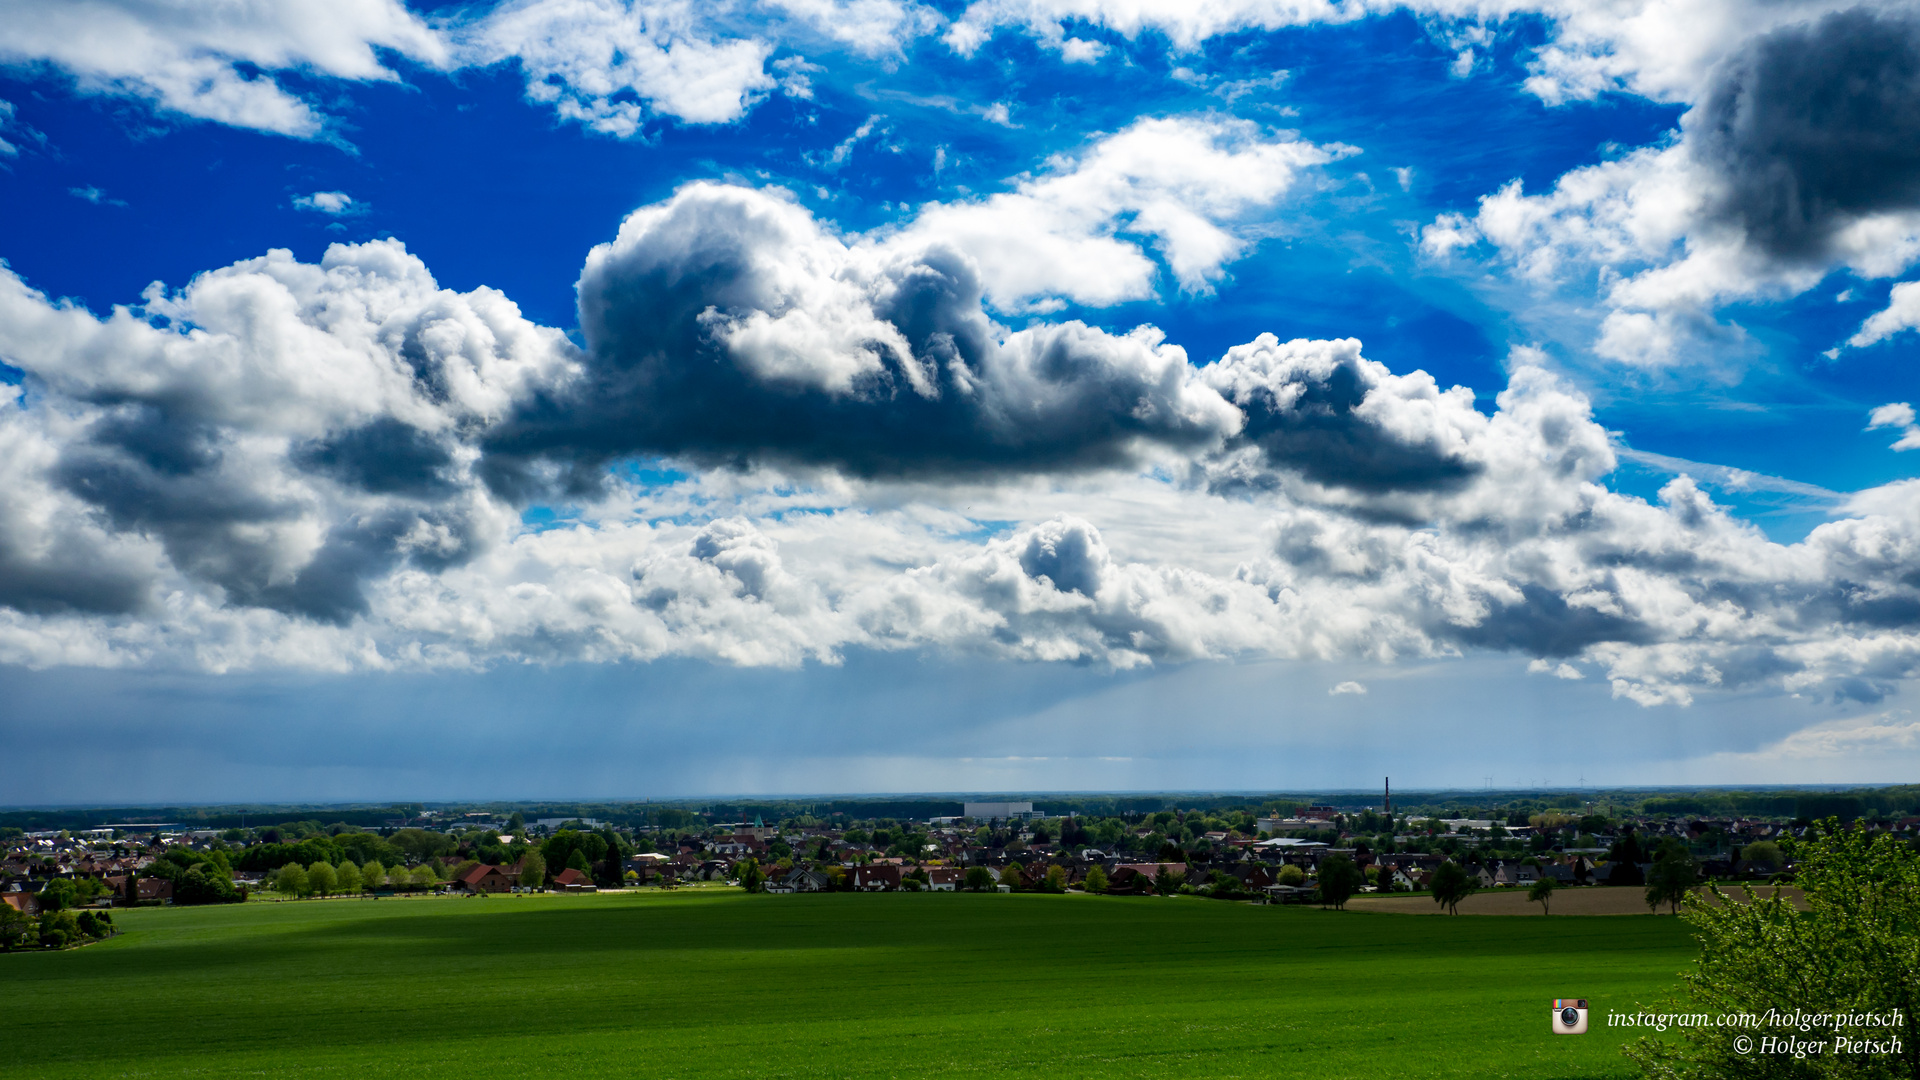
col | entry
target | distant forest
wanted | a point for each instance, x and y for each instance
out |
(1796, 803)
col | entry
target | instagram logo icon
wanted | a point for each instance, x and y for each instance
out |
(1569, 1016)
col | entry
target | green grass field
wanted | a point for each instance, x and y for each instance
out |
(709, 983)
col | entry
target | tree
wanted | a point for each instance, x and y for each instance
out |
(1011, 876)
(578, 861)
(1451, 884)
(322, 879)
(14, 927)
(1339, 880)
(609, 873)
(424, 877)
(979, 878)
(58, 895)
(1672, 876)
(517, 823)
(373, 875)
(349, 877)
(533, 870)
(422, 844)
(1853, 951)
(1766, 852)
(1096, 881)
(290, 880)
(1542, 893)
(748, 873)
(1055, 881)
(1291, 875)
(1168, 881)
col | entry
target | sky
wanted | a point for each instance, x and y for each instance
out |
(618, 398)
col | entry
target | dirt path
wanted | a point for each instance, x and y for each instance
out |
(1590, 900)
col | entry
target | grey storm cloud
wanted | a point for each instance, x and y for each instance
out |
(1320, 410)
(727, 327)
(1813, 126)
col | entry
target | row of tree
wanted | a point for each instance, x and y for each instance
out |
(322, 878)
(54, 929)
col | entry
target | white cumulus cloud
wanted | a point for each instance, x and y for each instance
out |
(187, 58)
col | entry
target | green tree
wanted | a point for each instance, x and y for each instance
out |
(516, 823)
(578, 861)
(373, 876)
(422, 844)
(322, 878)
(1672, 876)
(1451, 884)
(748, 873)
(58, 895)
(1339, 880)
(608, 876)
(1096, 881)
(1055, 880)
(1542, 893)
(290, 880)
(423, 876)
(533, 870)
(348, 876)
(14, 927)
(1764, 851)
(979, 878)
(1854, 950)
(1291, 875)
(1012, 877)
(1168, 880)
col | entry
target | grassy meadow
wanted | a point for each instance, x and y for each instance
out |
(718, 983)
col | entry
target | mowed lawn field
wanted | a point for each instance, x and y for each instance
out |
(713, 983)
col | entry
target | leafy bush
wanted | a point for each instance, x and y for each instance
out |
(1855, 950)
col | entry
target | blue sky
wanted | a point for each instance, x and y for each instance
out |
(765, 398)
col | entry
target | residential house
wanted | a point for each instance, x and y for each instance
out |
(876, 879)
(1139, 877)
(571, 880)
(944, 878)
(807, 881)
(488, 879)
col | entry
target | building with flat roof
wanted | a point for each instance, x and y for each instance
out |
(988, 811)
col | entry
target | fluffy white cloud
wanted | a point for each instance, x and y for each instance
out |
(326, 464)
(1185, 24)
(1899, 414)
(1180, 181)
(294, 473)
(872, 27)
(1901, 313)
(286, 432)
(186, 57)
(336, 203)
(607, 63)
